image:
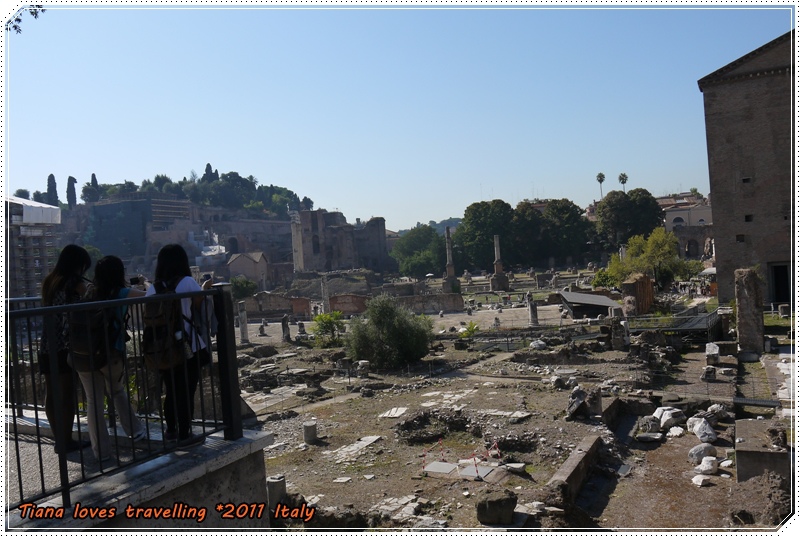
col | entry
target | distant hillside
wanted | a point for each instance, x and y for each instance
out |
(452, 223)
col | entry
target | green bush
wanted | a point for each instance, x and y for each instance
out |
(241, 287)
(328, 328)
(389, 335)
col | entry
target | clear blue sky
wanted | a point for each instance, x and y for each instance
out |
(409, 114)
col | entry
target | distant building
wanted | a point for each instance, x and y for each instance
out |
(749, 121)
(257, 268)
(678, 216)
(691, 223)
(31, 249)
(323, 241)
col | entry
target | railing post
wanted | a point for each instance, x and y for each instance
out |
(56, 389)
(228, 366)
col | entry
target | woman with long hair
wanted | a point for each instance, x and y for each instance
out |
(109, 284)
(65, 284)
(173, 272)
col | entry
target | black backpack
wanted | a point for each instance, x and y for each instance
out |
(93, 335)
(164, 343)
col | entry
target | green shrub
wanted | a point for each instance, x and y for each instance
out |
(389, 335)
(328, 328)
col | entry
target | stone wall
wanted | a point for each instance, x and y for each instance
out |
(349, 304)
(748, 116)
(433, 304)
(639, 286)
(576, 468)
(755, 455)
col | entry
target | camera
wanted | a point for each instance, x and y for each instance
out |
(136, 280)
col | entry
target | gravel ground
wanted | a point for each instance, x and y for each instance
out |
(384, 485)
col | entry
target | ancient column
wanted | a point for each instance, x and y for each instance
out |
(244, 336)
(499, 280)
(749, 312)
(533, 313)
(498, 265)
(451, 272)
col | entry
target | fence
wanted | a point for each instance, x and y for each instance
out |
(36, 469)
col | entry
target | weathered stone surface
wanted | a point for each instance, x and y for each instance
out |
(701, 480)
(697, 453)
(749, 311)
(496, 507)
(712, 354)
(650, 437)
(707, 466)
(672, 417)
(649, 424)
(704, 432)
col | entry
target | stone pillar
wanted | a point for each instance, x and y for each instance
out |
(451, 271)
(533, 313)
(310, 432)
(244, 336)
(276, 490)
(499, 280)
(749, 311)
(498, 265)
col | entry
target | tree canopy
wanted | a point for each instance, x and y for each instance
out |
(622, 215)
(656, 256)
(475, 236)
(420, 251)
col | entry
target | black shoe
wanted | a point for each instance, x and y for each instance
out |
(74, 445)
(191, 440)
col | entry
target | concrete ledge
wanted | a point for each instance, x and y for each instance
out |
(155, 482)
(576, 468)
(754, 453)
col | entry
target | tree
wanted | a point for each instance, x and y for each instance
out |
(482, 221)
(23, 193)
(601, 177)
(645, 212)
(39, 197)
(306, 204)
(15, 23)
(160, 180)
(72, 199)
(241, 287)
(419, 252)
(94, 182)
(656, 256)
(566, 229)
(527, 230)
(328, 328)
(620, 216)
(90, 193)
(389, 335)
(612, 218)
(52, 191)
(623, 178)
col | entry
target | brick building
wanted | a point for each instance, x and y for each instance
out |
(323, 241)
(31, 247)
(748, 115)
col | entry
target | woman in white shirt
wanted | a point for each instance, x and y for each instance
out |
(172, 270)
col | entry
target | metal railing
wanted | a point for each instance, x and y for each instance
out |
(35, 468)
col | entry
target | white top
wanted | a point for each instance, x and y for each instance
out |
(186, 285)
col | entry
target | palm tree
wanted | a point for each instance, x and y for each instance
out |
(600, 178)
(623, 178)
